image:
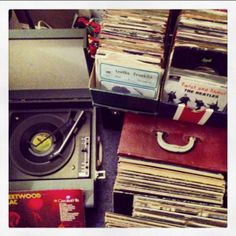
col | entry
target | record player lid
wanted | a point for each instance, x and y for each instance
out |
(47, 64)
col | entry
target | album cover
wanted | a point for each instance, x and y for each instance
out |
(206, 64)
(194, 89)
(46, 208)
(128, 70)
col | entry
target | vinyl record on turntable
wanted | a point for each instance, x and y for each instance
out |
(34, 141)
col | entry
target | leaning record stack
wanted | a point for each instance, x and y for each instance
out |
(206, 29)
(149, 212)
(136, 176)
(129, 59)
(114, 220)
(178, 213)
(174, 189)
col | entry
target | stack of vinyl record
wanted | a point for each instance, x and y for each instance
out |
(197, 76)
(129, 59)
(114, 220)
(156, 212)
(206, 29)
(137, 176)
(179, 213)
(168, 196)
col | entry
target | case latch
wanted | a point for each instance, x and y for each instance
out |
(100, 174)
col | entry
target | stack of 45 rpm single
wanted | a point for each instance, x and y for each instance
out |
(131, 53)
(197, 75)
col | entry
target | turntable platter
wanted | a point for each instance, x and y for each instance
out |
(35, 139)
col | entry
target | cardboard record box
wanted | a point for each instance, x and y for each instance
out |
(52, 124)
(206, 94)
(200, 115)
(196, 73)
(120, 101)
(123, 97)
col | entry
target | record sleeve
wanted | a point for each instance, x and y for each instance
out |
(46, 208)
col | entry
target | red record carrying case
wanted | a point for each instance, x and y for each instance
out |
(174, 142)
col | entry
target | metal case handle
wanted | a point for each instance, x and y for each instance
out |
(100, 152)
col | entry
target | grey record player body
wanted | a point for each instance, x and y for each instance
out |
(48, 84)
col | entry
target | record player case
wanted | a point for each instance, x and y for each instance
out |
(48, 78)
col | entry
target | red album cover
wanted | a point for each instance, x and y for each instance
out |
(47, 208)
(139, 140)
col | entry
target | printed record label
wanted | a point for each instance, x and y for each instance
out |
(126, 75)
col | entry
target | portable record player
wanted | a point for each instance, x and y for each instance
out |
(53, 139)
